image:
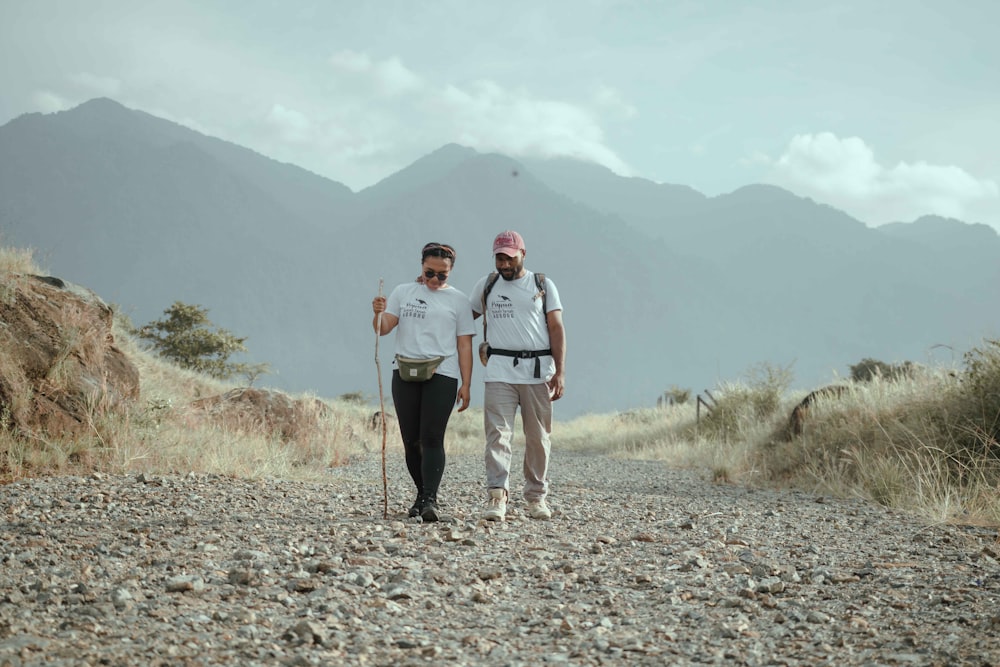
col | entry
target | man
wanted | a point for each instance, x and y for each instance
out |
(525, 369)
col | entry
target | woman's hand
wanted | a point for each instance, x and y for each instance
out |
(463, 397)
(464, 344)
(387, 321)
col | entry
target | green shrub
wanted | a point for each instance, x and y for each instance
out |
(868, 369)
(743, 404)
(356, 397)
(673, 396)
(188, 338)
(979, 395)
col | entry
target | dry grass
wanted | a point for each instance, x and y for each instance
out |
(905, 444)
(670, 434)
(162, 433)
(922, 443)
(18, 260)
(168, 435)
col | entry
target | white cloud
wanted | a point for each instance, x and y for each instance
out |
(395, 79)
(387, 77)
(700, 147)
(610, 99)
(351, 62)
(368, 118)
(48, 102)
(358, 138)
(487, 117)
(292, 126)
(845, 173)
(756, 159)
(483, 115)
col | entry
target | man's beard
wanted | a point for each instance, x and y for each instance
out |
(512, 274)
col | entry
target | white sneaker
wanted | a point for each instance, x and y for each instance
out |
(539, 510)
(496, 506)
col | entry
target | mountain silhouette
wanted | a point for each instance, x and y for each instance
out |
(661, 285)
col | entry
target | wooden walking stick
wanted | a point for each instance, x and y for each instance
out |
(381, 407)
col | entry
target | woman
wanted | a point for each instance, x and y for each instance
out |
(435, 325)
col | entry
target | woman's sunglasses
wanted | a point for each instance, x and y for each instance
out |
(440, 276)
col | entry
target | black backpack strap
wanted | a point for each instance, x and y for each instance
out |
(491, 280)
(540, 284)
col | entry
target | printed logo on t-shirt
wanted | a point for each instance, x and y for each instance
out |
(416, 310)
(502, 309)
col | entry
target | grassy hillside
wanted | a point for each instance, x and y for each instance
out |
(925, 441)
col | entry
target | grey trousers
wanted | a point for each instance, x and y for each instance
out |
(500, 404)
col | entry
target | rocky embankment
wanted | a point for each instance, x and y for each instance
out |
(640, 563)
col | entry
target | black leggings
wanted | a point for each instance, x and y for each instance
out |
(423, 410)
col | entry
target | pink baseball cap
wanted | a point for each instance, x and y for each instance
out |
(508, 243)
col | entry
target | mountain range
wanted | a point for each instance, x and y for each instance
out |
(661, 284)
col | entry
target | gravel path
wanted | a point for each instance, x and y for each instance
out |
(640, 563)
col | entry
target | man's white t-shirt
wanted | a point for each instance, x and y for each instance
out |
(429, 321)
(515, 321)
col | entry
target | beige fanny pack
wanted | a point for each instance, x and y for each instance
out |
(417, 370)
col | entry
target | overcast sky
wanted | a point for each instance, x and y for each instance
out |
(886, 109)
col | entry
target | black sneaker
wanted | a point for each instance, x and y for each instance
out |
(417, 505)
(429, 511)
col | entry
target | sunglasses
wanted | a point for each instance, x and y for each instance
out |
(440, 276)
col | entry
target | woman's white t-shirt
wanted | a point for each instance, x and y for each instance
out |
(429, 322)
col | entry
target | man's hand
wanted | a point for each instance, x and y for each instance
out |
(556, 385)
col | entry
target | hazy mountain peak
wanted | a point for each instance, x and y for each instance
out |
(420, 173)
(763, 196)
(101, 109)
(102, 105)
(109, 121)
(939, 223)
(944, 233)
(762, 193)
(441, 160)
(592, 173)
(102, 142)
(104, 113)
(450, 153)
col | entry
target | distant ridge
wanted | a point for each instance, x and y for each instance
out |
(935, 230)
(661, 285)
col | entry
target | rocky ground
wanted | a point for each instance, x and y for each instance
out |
(640, 564)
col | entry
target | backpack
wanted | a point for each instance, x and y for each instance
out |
(490, 282)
